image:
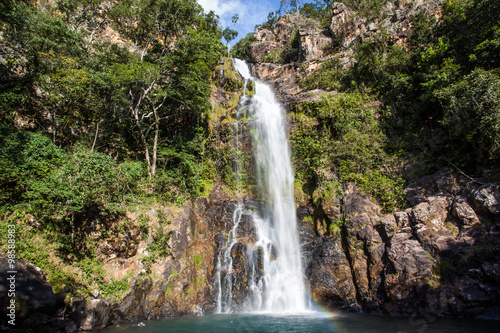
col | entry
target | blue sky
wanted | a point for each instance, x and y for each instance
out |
(251, 12)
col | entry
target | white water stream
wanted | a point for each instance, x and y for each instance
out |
(279, 285)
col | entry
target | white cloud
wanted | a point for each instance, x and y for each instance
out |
(224, 8)
(250, 13)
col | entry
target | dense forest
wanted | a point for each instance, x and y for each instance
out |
(103, 105)
(107, 106)
(84, 119)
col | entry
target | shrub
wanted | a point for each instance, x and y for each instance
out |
(472, 116)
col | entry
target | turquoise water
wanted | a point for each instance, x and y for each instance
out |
(309, 323)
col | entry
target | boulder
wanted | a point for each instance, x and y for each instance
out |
(463, 212)
(330, 276)
(96, 316)
(36, 305)
(132, 306)
(408, 266)
(487, 199)
(428, 224)
(387, 227)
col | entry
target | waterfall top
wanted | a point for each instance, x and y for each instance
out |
(242, 67)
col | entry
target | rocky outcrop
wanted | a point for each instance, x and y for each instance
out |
(96, 315)
(364, 244)
(408, 267)
(297, 46)
(35, 306)
(312, 41)
(277, 54)
(330, 277)
(395, 19)
(441, 254)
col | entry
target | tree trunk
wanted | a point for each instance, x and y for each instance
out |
(95, 137)
(135, 113)
(155, 143)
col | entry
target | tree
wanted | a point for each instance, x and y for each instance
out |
(235, 19)
(229, 35)
(156, 88)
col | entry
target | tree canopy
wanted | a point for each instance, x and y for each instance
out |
(122, 78)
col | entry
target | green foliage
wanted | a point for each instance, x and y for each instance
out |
(388, 191)
(63, 80)
(90, 108)
(367, 9)
(342, 133)
(158, 246)
(25, 158)
(241, 50)
(83, 179)
(94, 273)
(319, 10)
(472, 116)
(55, 182)
(197, 260)
(272, 18)
(291, 52)
(229, 35)
(438, 94)
(180, 175)
(273, 57)
(326, 78)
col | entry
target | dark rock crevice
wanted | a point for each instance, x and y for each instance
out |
(345, 248)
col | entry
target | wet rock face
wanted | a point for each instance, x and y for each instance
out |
(239, 258)
(240, 275)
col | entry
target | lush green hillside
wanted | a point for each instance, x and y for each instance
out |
(104, 107)
(116, 84)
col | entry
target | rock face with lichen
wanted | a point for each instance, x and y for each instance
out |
(439, 256)
(297, 46)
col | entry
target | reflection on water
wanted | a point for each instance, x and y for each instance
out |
(310, 323)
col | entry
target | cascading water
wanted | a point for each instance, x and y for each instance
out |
(275, 282)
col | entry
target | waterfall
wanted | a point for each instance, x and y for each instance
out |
(275, 275)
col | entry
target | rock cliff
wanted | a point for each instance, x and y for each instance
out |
(437, 257)
(298, 46)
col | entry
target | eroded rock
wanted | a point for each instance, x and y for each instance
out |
(96, 316)
(330, 276)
